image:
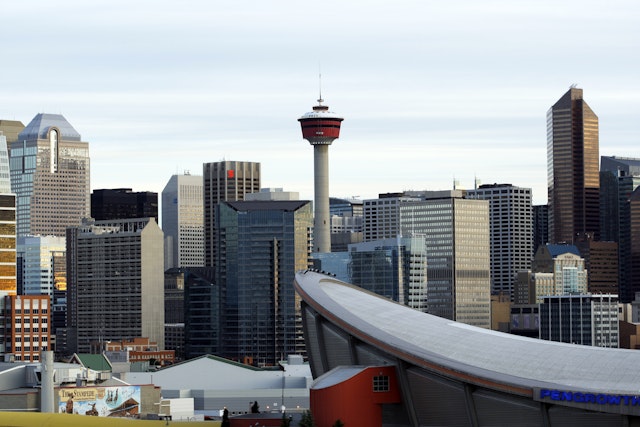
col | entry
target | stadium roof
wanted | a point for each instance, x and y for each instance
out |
(493, 359)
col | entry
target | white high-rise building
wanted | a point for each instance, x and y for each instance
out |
(183, 221)
(511, 234)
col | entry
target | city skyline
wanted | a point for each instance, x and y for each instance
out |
(430, 91)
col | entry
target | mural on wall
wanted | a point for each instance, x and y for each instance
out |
(121, 401)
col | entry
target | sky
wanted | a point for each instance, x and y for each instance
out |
(430, 91)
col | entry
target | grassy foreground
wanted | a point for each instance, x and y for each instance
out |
(37, 419)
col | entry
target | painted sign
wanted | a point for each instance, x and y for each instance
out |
(100, 401)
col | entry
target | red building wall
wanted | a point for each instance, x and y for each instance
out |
(354, 401)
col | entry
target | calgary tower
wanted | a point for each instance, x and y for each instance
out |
(320, 127)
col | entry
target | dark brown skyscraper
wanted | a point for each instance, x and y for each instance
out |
(572, 169)
(225, 181)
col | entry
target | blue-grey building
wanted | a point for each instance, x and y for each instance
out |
(260, 246)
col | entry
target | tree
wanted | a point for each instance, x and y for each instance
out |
(307, 420)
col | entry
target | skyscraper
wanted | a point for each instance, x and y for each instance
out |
(572, 169)
(115, 282)
(456, 232)
(619, 178)
(321, 127)
(50, 176)
(224, 181)
(510, 230)
(261, 245)
(183, 221)
(37, 256)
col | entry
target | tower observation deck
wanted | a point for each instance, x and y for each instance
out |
(321, 127)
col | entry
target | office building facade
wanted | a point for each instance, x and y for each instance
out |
(224, 181)
(115, 275)
(183, 221)
(50, 173)
(556, 270)
(619, 178)
(26, 326)
(540, 226)
(573, 169)
(394, 268)
(580, 319)
(456, 233)
(510, 232)
(123, 203)
(261, 244)
(202, 313)
(40, 259)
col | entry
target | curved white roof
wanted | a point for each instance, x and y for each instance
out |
(456, 349)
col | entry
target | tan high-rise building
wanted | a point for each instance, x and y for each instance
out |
(50, 176)
(572, 169)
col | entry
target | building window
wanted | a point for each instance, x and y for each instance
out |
(381, 383)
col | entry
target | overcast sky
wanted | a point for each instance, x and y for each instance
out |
(430, 91)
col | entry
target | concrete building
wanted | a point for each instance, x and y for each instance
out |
(346, 223)
(123, 203)
(510, 232)
(224, 181)
(50, 173)
(381, 217)
(261, 244)
(573, 169)
(115, 282)
(580, 319)
(556, 270)
(446, 372)
(183, 221)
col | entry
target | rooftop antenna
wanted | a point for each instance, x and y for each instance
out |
(573, 86)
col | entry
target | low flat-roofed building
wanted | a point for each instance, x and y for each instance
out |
(215, 383)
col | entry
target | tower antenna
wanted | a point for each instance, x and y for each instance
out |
(320, 100)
